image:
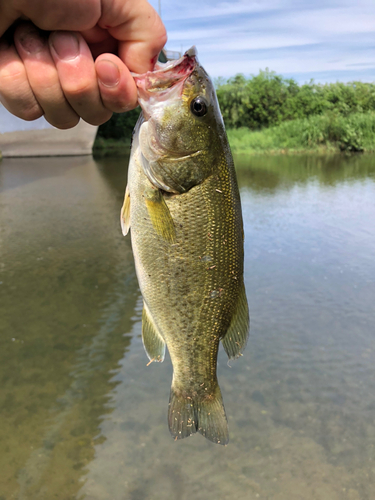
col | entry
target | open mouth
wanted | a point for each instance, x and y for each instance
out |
(165, 76)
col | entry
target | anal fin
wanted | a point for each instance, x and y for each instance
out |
(152, 341)
(236, 337)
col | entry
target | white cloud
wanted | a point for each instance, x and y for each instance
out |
(195, 9)
(306, 35)
(238, 44)
(317, 62)
(329, 22)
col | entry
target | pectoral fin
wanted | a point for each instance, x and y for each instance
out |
(125, 213)
(160, 215)
(152, 341)
(236, 337)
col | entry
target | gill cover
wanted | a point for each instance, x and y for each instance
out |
(175, 136)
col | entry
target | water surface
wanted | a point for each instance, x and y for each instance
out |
(83, 417)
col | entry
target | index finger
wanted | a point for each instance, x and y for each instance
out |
(141, 35)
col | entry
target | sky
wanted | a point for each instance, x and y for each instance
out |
(324, 40)
(327, 40)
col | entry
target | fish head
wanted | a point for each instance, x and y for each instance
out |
(182, 129)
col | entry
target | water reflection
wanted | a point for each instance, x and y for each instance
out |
(68, 292)
(274, 172)
(82, 416)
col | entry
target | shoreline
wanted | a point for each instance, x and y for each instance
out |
(316, 135)
(111, 147)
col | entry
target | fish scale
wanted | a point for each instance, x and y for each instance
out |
(184, 211)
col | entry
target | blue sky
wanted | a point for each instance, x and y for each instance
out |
(326, 40)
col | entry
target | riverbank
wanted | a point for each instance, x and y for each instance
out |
(328, 133)
(110, 147)
(270, 114)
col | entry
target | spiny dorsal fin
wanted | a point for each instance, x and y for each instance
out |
(152, 341)
(125, 213)
(236, 337)
(160, 215)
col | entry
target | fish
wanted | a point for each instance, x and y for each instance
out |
(183, 209)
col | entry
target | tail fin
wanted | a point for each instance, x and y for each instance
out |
(187, 415)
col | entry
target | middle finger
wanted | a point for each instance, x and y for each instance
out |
(43, 78)
(77, 75)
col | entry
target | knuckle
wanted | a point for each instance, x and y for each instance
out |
(159, 33)
(78, 90)
(33, 113)
(123, 107)
(23, 105)
(45, 79)
(99, 119)
(65, 125)
(163, 37)
(11, 73)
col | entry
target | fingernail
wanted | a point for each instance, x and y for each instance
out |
(31, 41)
(65, 44)
(108, 73)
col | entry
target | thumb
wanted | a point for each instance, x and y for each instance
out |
(141, 33)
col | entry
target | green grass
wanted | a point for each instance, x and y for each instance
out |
(328, 133)
(324, 133)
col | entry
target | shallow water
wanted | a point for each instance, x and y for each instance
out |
(83, 417)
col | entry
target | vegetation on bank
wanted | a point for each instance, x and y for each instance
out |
(114, 136)
(269, 113)
(325, 133)
(268, 99)
(110, 147)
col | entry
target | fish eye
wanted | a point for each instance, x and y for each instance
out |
(199, 106)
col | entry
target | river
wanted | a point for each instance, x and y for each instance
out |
(83, 417)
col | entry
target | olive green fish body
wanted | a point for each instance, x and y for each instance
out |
(188, 250)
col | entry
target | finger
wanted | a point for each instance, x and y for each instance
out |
(41, 71)
(110, 45)
(95, 35)
(141, 36)
(99, 41)
(15, 91)
(77, 76)
(116, 85)
(53, 15)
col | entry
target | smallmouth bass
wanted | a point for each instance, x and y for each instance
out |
(183, 207)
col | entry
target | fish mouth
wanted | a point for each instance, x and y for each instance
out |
(165, 75)
(166, 81)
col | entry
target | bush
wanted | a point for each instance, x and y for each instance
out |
(333, 132)
(120, 126)
(268, 99)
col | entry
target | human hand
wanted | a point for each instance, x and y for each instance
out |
(70, 70)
